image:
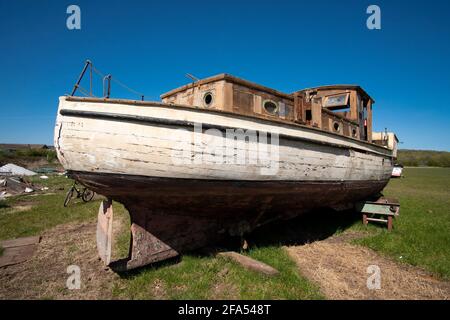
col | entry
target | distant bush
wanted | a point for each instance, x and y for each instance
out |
(27, 154)
(423, 158)
(51, 155)
(32, 152)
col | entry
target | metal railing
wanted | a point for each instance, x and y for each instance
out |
(106, 82)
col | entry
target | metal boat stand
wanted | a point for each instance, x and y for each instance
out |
(379, 210)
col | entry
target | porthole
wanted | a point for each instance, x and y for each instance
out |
(208, 99)
(270, 107)
(336, 126)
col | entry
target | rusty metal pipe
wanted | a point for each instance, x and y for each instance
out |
(107, 90)
(75, 87)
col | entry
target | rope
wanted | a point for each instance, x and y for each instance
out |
(118, 82)
(83, 91)
(126, 87)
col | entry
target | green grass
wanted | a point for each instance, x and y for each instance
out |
(208, 277)
(46, 211)
(202, 276)
(194, 277)
(420, 237)
(421, 234)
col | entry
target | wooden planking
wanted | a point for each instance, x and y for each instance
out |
(104, 231)
(18, 250)
(158, 151)
(157, 143)
(226, 120)
(20, 242)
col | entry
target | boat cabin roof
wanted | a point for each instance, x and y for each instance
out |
(253, 85)
(229, 78)
(341, 109)
(341, 87)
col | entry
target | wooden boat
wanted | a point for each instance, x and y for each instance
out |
(309, 149)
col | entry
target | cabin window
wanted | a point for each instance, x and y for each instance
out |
(308, 115)
(270, 107)
(208, 99)
(337, 101)
(336, 126)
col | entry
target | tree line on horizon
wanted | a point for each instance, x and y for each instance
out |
(423, 158)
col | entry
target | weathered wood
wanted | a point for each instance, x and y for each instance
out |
(154, 158)
(169, 216)
(377, 220)
(250, 263)
(18, 250)
(369, 121)
(20, 242)
(104, 230)
(379, 210)
(104, 145)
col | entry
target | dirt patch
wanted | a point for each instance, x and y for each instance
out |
(223, 289)
(341, 271)
(21, 208)
(44, 276)
(158, 289)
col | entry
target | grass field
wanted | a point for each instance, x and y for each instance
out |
(422, 233)
(31, 214)
(420, 237)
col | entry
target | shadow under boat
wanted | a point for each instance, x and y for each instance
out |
(314, 226)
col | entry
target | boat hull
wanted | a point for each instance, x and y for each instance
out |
(178, 200)
(171, 216)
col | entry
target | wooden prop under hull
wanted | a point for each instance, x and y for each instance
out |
(147, 247)
(172, 216)
(104, 231)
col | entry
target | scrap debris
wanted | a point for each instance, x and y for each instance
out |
(11, 169)
(12, 181)
(11, 186)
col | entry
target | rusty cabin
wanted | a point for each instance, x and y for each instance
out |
(342, 109)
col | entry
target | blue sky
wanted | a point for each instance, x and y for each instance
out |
(286, 45)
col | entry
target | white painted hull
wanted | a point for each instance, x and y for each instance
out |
(135, 146)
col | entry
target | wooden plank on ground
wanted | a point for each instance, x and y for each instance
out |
(18, 250)
(20, 242)
(250, 263)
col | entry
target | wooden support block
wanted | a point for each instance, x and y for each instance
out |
(250, 263)
(104, 231)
